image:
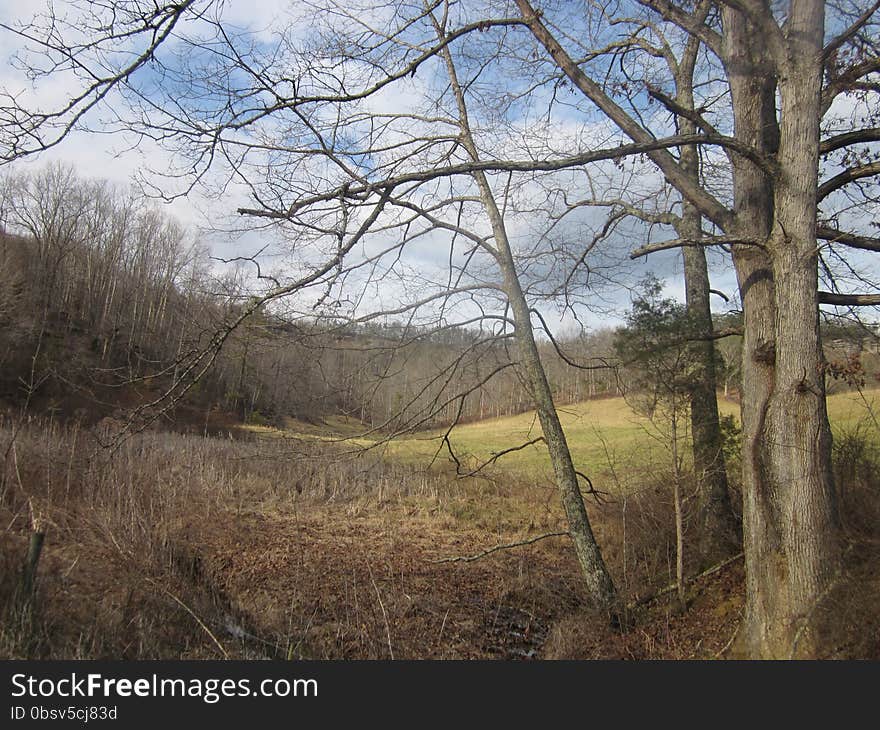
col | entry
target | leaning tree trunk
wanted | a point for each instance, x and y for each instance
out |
(599, 585)
(788, 507)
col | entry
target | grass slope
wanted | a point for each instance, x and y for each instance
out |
(607, 438)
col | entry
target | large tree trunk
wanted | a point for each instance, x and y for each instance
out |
(719, 528)
(788, 512)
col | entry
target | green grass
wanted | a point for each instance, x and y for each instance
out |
(605, 436)
(845, 410)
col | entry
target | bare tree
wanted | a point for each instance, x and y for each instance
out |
(298, 127)
(659, 62)
(599, 583)
(765, 53)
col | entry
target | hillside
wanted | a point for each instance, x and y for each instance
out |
(606, 436)
(297, 492)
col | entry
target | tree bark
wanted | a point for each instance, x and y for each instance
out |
(599, 585)
(789, 515)
(720, 531)
(788, 510)
(719, 526)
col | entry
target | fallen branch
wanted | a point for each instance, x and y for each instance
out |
(723, 650)
(471, 558)
(673, 586)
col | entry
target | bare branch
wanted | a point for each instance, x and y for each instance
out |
(686, 21)
(22, 127)
(833, 235)
(835, 43)
(849, 300)
(648, 146)
(708, 205)
(847, 176)
(847, 80)
(698, 242)
(507, 546)
(672, 105)
(857, 136)
(495, 455)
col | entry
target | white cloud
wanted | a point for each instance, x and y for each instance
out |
(110, 156)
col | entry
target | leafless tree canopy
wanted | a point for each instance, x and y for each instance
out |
(454, 164)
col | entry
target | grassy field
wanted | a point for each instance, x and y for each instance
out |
(185, 546)
(607, 438)
(290, 547)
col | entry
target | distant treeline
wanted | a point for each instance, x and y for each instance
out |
(102, 297)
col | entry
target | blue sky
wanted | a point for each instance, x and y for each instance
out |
(123, 158)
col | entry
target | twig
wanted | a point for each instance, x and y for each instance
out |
(471, 558)
(497, 455)
(192, 613)
(382, 606)
(292, 651)
(723, 650)
(673, 586)
(596, 494)
(442, 626)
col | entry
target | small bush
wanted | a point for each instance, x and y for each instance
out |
(856, 464)
(255, 418)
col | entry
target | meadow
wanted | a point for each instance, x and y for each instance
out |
(319, 541)
(608, 440)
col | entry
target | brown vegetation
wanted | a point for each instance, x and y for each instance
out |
(186, 546)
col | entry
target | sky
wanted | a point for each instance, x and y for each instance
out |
(113, 157)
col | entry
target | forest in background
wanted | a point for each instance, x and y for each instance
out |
(431, 178)
(104, 297)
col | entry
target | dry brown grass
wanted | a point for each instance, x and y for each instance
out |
(185, 546)
(849, 618)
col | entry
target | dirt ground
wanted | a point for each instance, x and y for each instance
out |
(324, 584)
